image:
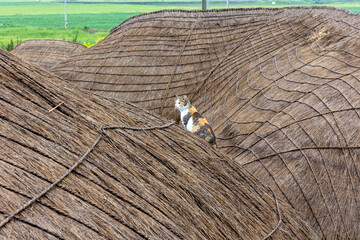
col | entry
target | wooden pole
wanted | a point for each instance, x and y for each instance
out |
(204, 4)
(65, 15)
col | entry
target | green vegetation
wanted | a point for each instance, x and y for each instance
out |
(35, 8)
(89, 22)
(86, 22)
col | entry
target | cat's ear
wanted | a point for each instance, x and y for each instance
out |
(177, 97)
(185, 97)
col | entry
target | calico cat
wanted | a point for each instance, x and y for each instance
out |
(192, 120)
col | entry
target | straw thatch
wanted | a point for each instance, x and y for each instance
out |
(280, 86)
(46, 53)
(65, 174)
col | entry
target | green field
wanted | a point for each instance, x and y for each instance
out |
(88, 22)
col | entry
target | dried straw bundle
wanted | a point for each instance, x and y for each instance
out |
(46, 53)
(280, 86)
(148, 179)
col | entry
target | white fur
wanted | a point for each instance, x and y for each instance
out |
(189, 125)
(183, 111)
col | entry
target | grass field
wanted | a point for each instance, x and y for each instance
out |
(88, 22)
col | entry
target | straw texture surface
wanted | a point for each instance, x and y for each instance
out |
(46, 53)
(77, 166)
(279, 86)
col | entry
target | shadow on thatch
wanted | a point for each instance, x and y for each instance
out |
(157, 183)
(46, 53)
(280, 86)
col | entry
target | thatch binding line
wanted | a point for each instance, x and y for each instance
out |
(279, 214)
(38, 196)
(161, 183)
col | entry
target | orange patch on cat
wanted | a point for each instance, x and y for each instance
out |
(192, 110)
(203, 121)
(196, 128)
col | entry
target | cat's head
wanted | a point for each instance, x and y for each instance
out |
(182, 102)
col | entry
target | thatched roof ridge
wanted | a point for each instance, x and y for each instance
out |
(280, 89)
(45, 41)
(161, 183)
(46, 53)
(230, 11)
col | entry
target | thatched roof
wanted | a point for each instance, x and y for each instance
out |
(146, 178)
(46, 53)
(280, 87)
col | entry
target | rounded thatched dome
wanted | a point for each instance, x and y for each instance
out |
(65, 175)
(280, 87)
(46, 53)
